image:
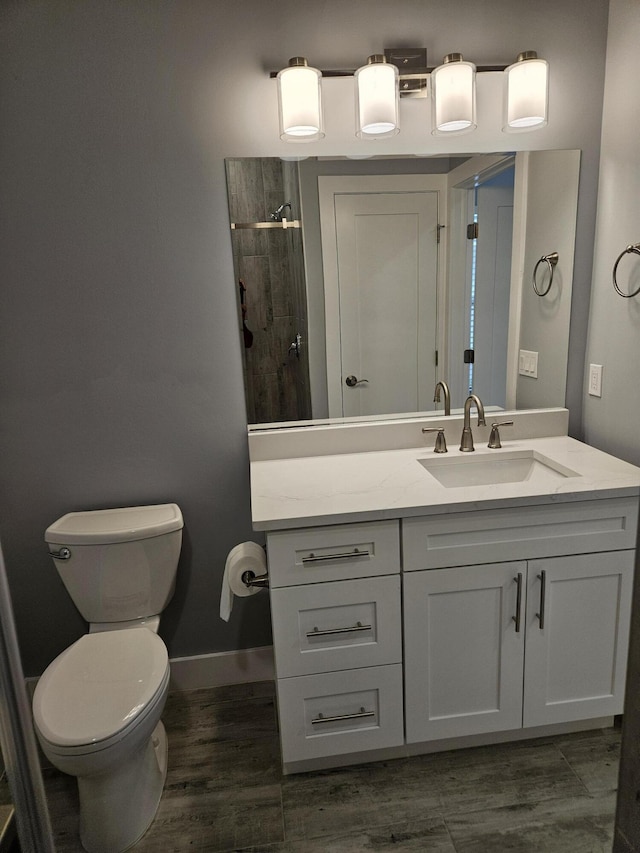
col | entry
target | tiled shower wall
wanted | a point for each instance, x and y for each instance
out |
(270, 263)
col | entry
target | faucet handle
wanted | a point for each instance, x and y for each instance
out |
(441, 442)
(494, 438)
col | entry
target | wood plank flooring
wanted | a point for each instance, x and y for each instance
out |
(225, 792)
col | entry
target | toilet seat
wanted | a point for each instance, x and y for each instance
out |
(99, 688)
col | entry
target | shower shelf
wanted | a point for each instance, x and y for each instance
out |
(284, 223)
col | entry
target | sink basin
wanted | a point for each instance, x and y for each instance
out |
(516, 466)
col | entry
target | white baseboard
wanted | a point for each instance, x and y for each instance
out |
(212, 670)
(221, 668)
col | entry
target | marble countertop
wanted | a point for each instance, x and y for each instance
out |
(348, 487)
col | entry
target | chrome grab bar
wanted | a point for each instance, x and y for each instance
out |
(62, 554)
(321, 558)
(322, 719)
(328, 631)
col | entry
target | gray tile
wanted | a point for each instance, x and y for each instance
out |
(250, 189)
(62, 800)
(227, 693)
(487, 777)
(354, 798)
(206, 718)
(225, 792)
(423, 836)
(595, 757)
(206, 820)
(574, 825)
(226, 764)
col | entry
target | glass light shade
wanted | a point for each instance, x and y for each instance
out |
(526, 94)
(300, 102)
(453, 97)
(377, 99)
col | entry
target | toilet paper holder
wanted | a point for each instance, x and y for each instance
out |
(250, 578)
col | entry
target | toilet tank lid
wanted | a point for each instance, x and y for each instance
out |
(105, 526)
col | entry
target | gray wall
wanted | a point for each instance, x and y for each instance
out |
(552, 187)
(120, 363)
(612, 421)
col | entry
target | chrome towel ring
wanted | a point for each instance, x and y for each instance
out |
(630, 250)
(551, 261)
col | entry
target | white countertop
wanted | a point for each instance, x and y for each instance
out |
(347, 487)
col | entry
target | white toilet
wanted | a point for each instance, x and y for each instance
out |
(97, 707)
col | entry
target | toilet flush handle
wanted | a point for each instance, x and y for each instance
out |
(62, 554)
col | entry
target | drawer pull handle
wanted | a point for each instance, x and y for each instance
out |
(516, 618)
(322, 719)
(328, 631)
(543, 590)
(347, 555)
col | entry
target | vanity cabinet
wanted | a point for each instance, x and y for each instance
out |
(509, 645)
(337, 635)
(394, 634)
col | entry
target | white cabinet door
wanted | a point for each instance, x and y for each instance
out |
(464, 650)
(576, 655)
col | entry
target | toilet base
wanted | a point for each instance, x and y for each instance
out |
(118, 807)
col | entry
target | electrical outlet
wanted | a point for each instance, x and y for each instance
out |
(595, 380)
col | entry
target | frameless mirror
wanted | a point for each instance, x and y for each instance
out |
(362, 283)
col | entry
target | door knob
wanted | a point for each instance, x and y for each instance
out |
(352, 381)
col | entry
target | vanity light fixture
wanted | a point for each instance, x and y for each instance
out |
(526, 93)
(300, 102)
(453, 96)
(377, 98)
(401, 73)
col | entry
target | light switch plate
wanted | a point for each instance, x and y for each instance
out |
(595, 380)
(528, 363)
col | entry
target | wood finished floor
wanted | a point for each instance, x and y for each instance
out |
(225, 792)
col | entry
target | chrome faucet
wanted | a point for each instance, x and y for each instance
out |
(447, 396)
(466, 442)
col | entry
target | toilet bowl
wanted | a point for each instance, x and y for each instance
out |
(97, 711)
(97, 706)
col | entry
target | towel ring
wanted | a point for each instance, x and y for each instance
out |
(630, 250)
(550, 260)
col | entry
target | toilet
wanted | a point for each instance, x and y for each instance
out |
(97, 706)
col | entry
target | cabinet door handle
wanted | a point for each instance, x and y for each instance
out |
(322, 719)
(543, 590)
(347, 555)
(516, 618)
(328, 631)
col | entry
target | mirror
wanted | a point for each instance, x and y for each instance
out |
(362, 283)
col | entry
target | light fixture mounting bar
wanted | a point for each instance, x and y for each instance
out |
(414, 75)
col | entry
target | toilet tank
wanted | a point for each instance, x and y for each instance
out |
(118, 564)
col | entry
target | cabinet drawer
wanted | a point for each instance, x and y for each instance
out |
(513, 533)
(340, 712)
(333, 553)
(333, 626)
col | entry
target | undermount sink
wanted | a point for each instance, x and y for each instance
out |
(516, 466)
